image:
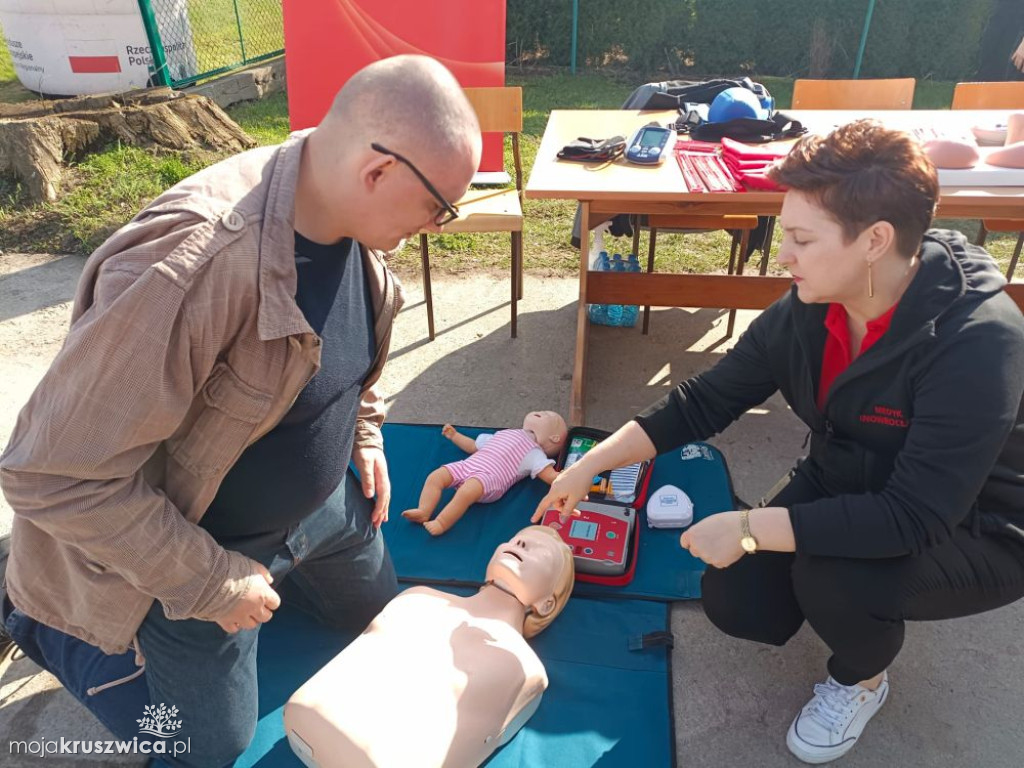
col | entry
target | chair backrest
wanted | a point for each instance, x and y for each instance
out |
(1008, 95)
(896, 93)
(500, 109)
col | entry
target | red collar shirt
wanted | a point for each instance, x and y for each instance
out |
(838, 355)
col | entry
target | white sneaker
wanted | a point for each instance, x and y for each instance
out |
(830, 724)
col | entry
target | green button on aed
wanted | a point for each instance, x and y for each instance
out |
(610, 534)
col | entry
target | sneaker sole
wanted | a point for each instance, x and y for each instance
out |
(818, 758)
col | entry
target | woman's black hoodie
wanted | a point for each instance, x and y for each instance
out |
(923, 432)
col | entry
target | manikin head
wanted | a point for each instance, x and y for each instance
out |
(537, 567)
(548, 429)
(398, 146)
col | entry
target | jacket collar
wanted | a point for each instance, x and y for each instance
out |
(938, 284)
(279, 315)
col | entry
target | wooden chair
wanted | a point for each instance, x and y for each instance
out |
(896, 93)
(498, 109)
(740, 226)
(1008, 95)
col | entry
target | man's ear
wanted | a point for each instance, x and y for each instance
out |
(556, 439)
(544, 607)
(374, 170)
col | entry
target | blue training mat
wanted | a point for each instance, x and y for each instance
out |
(664, 570)
(605, 705)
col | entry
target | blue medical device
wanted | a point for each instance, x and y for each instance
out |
(650, 145)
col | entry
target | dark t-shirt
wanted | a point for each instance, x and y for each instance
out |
(289, 472)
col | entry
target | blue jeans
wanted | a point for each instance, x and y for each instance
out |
(333, 565)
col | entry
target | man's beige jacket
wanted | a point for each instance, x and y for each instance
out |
(186, 345)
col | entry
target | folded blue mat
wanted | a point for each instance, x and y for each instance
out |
(664, 570)
(605, 704)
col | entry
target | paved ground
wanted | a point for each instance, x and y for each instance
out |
(956, 689)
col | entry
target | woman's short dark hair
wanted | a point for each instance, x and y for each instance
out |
(862, 173)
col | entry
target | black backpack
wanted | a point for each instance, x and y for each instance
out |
(679, 94)
(690, 98)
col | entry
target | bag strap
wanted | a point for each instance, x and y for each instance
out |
(747, 129)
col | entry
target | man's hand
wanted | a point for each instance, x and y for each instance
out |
(255, 607)
(373, 473)
(715, 539)
(1018, 56)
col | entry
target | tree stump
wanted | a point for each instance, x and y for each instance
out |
(36, 137)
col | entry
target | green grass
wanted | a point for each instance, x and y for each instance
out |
(266, 120)
(107, 188)
(217, 26)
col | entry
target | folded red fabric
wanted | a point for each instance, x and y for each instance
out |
(749, 165)
(705, 165)
(748, 152)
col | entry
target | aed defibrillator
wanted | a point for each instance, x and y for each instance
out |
(604, 538)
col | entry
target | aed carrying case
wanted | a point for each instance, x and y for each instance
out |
(605, 537)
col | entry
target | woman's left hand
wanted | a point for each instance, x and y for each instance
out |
(715, 539)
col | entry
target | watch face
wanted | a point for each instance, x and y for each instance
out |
(749, 544)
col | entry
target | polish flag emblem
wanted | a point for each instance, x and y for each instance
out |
(94, 65)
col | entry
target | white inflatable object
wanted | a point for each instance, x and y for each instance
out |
(74, 47)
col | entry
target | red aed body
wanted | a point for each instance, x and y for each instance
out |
(605, 538)
(600, 537)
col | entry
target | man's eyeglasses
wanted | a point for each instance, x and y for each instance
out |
(448, 212)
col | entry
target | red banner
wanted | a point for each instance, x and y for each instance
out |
(327, 41)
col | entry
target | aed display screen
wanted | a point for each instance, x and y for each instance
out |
(651, 138)
(582, 529)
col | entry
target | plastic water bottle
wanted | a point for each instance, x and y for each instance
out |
(618, 265)
(597, 245)
(630, 312)
(598, 312)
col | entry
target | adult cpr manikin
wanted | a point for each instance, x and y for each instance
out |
(438, 679)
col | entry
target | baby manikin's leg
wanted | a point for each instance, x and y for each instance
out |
(469, 493)
(436, 482)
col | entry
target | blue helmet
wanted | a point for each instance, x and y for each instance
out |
(735, 102)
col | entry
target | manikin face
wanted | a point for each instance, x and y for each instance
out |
(824, 267)
(530, 566)
(548, 429)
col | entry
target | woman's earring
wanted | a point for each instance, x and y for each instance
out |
(871, 287)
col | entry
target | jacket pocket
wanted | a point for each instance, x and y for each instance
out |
(231, 410)
(841, 462)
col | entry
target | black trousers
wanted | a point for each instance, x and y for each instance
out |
(858, 606)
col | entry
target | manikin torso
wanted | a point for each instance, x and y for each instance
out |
(435, 680)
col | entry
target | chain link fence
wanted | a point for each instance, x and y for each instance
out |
(195, 39)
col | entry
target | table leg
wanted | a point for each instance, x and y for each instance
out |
(579, 368)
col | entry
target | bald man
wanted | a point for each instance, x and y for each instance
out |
(181, 470)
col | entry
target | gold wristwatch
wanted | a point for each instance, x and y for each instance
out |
(747, 541)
